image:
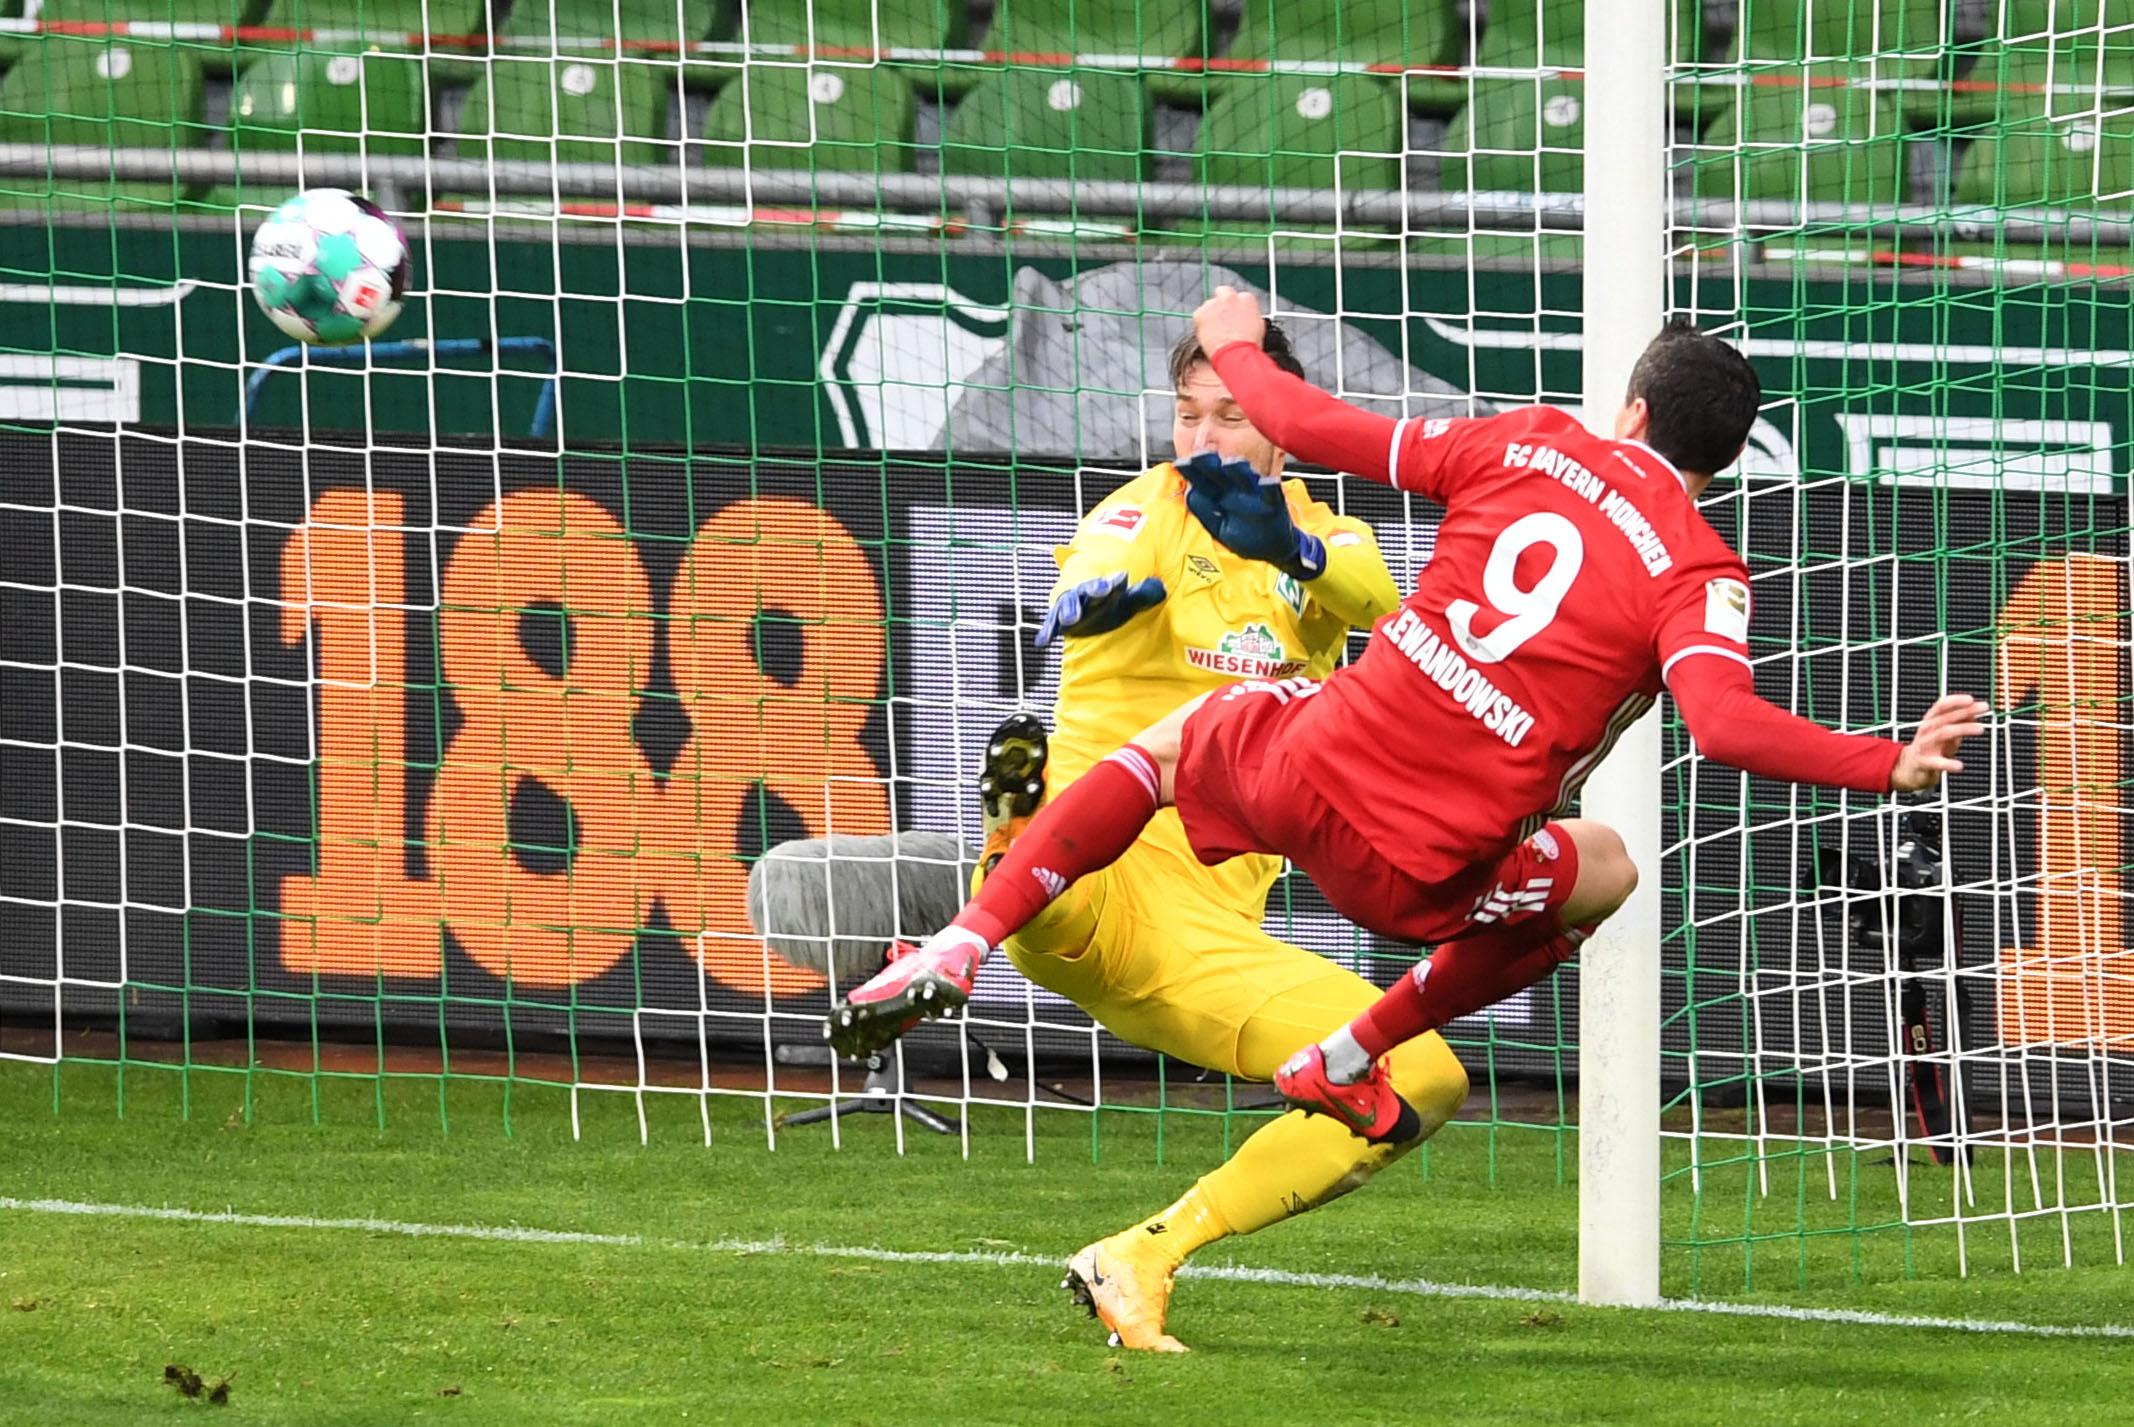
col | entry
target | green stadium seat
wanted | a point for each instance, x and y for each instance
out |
(2052, 156)
(1156, 29)
(392, 26)
(94, 92)
(2049, 101)
(1842, 30)
(1047, 123)
(864, 25)
(1165, 28)
(1802, 45)
(548, 26)
(2042, 43)
(1835, 144)
(824, 118)
(323, 103)
(903, 24)
(1520, 136)
(1523, 34)
(568, 110)
(1389, 32)
(1531, 34)
(1528, 135)
(1298, 131)
(217, 56)
(646, 29)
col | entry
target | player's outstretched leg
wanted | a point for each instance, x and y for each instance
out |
(1011, 784)
(1086, 827)
(1127, 1288)
(913, 987)
(1368, 1105)
(1465, 976)
(1344, 1075)
(1292, 1164)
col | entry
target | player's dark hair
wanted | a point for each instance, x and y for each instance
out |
(1702, 395)
(1187, 354)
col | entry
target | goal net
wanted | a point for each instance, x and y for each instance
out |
(1887, 1015)
(419, 709)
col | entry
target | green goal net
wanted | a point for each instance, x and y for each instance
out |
(416, 711)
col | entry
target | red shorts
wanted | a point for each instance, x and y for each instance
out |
(1238, 791)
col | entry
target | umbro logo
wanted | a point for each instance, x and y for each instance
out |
(1159, 1228)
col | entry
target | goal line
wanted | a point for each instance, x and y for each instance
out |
(1223, 1273)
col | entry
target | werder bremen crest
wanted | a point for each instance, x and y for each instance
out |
(1290, 592)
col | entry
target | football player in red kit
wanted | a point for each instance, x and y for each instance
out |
(1422, 788)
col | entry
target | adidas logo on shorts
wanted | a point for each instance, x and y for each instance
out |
(1501, 902)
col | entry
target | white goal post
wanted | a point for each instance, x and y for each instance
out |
(1626, 267)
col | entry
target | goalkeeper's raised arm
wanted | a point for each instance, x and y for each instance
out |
(1228, 476)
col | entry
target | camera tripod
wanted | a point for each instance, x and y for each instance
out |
(882, 1093)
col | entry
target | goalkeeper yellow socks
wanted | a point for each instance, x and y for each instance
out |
(1289, 1165)
(1186, 1226)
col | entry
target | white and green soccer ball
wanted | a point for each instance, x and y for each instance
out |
(330, 266)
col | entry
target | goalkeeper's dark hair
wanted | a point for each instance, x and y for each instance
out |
(1187, 354)
(1702, 395)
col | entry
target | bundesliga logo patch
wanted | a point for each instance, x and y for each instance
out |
(1726, 610)
(1124, 521)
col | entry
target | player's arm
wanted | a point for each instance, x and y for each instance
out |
(1734, 724)
(1354, 586)
(1316, 426)
(1705, 664)
(1107, 576)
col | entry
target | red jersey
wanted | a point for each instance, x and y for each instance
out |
(1572, 576)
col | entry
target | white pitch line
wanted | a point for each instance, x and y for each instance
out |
(508, 1232)
(1224, 1273)
(1429, 1288)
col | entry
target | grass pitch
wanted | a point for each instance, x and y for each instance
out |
(707, 1309)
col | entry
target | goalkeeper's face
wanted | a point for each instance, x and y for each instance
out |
(1208, 418)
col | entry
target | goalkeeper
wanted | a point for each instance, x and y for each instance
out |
(1186, 579)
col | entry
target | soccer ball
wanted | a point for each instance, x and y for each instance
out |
(329, 266)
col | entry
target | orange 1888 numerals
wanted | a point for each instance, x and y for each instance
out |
(641, 837)
(2061, 643)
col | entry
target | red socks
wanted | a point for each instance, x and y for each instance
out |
(1088, 826)
(1466, 976)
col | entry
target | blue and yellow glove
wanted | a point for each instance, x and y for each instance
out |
(1099, 606)
(1246, 512)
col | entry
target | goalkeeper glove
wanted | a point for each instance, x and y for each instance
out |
(1247, 513)
(1099, 606)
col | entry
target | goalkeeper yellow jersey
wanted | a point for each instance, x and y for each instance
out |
(1225, 618)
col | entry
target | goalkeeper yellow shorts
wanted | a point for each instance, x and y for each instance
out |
(1183, 974)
